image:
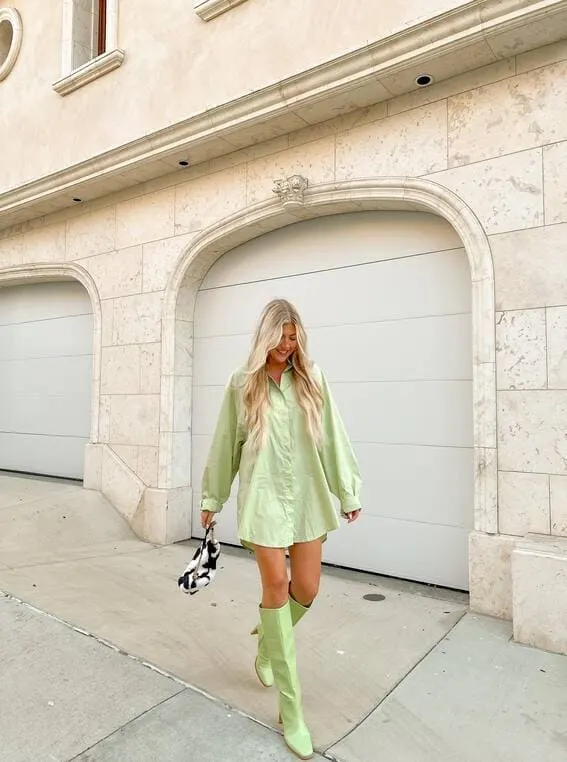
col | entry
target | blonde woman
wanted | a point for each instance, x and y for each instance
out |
(280, 430)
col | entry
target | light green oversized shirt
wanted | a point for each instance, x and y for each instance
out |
(284, 487)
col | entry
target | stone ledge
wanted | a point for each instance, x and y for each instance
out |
(539, 591)
(544, 545)
(210, 9)
(90, 71)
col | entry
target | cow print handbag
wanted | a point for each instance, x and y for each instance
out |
(202, 568)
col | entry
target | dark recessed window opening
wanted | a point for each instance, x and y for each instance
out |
(6, 39)
(101, 32)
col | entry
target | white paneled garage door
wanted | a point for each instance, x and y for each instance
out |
(386, 298)
(45, 378)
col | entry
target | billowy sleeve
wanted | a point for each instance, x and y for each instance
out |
(223, 460)
(337, 455)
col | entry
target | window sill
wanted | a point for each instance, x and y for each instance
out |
(210, 9)
(90, 71)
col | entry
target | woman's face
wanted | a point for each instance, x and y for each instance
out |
(287, 345)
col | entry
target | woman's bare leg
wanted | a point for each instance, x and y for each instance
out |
(273, 574)
(305, 560)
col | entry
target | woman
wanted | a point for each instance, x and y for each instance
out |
(280, 430)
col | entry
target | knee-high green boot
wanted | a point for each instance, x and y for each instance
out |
(262, 663)
(280, 647)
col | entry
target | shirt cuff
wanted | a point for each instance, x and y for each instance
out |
(349, 504)
(210, 504)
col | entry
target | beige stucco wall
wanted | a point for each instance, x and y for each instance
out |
(496, 137)
(176, 66)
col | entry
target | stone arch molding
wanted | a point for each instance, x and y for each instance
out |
(14, 276)
(296, 201)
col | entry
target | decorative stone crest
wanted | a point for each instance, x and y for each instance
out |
(291, 190)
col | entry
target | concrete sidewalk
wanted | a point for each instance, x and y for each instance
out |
(66, 696)
(390, 670)
(68, 552)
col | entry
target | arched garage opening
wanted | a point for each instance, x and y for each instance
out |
(46, 373)
(386, 298)
(424, 413)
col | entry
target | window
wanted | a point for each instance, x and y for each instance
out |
(101, 28)
(90, 42)
(10, 39)
(89, 30)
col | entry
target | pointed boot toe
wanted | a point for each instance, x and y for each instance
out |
(298, 739)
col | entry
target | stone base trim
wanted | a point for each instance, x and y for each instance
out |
(539, 584)
(159, 516)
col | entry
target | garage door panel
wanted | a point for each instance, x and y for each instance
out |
(434, 413)
(432, 284)
(47, 414)
(424, 348)
(402, 549)
(47, 338)
(42, 376)
(244, 303)
(46, 342)
(217, 357)
(426, 484)
(50, 300)
(57, 456)
(321, 244)
(207, 401)
(200, 449)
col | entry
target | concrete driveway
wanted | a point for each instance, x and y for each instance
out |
(67, 552)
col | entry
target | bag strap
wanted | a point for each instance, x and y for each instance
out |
(209, 531)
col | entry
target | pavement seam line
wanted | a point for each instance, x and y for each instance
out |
(392, 689)
(153, 668)
(85, 558)
(125, 725)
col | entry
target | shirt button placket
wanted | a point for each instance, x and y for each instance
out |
(287, 414)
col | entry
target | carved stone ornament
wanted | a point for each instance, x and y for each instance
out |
(291, 190)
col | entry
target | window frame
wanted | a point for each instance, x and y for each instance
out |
(12, 17)
(72, 78)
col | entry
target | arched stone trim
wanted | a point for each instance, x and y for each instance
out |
(13, 276)
(337, 198)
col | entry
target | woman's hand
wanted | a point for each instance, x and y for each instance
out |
(352, 516)
(206, 518)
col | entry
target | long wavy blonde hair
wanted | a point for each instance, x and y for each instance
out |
(276, 314)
